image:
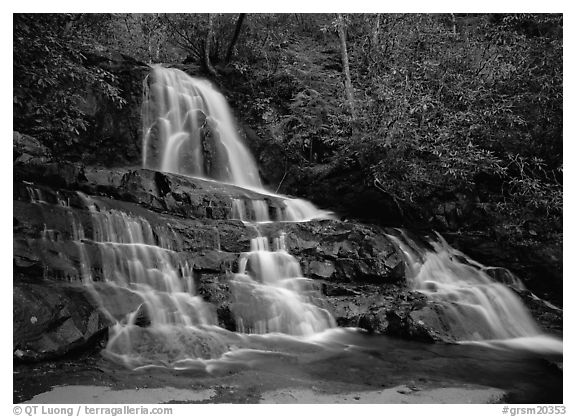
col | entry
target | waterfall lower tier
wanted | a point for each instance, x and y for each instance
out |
(141, 261)
(147, 289)
(179, 290)
(471, 304)
(140, 268)
(270, 293)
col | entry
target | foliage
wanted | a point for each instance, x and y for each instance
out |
(447, 103)
(51, 78)
(442, 108)
(143, 36)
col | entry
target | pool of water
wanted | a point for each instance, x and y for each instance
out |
(333, 363)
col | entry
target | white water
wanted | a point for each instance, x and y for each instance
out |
(189, 130)
(269, 293)
(142, 265)
(141, 271)
(474, 306)
(143, 261)
(250, 210)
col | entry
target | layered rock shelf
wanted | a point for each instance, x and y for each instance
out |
(357, 271)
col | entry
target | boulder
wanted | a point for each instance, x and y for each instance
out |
(52, 320)
(28, 150)
(33, 162)
(386, 309)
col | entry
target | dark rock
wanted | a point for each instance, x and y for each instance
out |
(215, 261)
(28, 150)
(52, 319)
(358, 273)
(339, 251)
(64, 174)
(226, 318)
(324, 269)
(142, 316)
(548, 316)
(34, 162)
(403, 325)
(113, 134)
(333, 290)
(374, 322)
(506, 277)
(215, 156)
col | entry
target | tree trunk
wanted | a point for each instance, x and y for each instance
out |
(209, 36)
(346, 65)
(235, 37)
(376, 32)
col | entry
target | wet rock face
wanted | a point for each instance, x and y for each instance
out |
(34, 162)
(341, 251)
(51, 320)
(356, 270)
(387, 309)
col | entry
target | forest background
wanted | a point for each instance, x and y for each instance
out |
(451, 122)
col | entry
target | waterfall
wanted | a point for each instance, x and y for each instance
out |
(140, 270)
(188, 129)
(171, 323)
(269, 293)
(250, 211)
(172, 326)
(143, 261)
(473, 305)
(142, 278)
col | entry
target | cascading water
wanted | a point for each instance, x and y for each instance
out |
(253, 210)
(474, 306)
(189, 130)
(140, 270)
(268, 293)
(142, 261)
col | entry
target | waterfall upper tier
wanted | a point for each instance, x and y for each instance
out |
(189, 130)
